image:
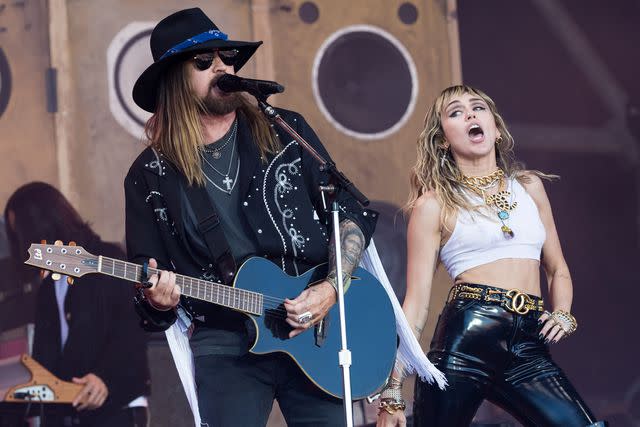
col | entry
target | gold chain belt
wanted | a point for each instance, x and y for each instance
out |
(512, 300)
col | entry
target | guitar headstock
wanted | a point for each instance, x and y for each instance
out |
(70, 260)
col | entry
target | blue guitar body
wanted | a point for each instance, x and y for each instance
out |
(371, 328)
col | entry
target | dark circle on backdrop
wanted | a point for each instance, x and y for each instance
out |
(364, 82)
(116, 73)
(5, 82)
(408, 13)
(309, 12)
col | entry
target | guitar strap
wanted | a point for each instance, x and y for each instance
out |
(211, 230)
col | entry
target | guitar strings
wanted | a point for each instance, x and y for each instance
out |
(271, 305)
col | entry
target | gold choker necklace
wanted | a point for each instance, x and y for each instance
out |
(501, 200)
(481, 182)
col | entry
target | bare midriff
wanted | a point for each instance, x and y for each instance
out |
(508, 273)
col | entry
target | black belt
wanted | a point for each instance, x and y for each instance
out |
(513, 300)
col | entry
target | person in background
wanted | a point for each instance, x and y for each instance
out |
(87, 332)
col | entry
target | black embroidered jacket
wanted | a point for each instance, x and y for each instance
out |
(279, 198)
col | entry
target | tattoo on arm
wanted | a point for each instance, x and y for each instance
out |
(351, 245)
(418, 331)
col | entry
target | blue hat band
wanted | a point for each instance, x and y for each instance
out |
(192, 41)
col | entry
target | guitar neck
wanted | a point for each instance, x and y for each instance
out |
(216, 293)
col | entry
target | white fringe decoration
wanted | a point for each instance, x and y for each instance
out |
(178, 339)
(410, 356)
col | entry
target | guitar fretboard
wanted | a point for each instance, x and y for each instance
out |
(216, 293)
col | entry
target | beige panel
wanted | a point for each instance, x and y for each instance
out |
(381, 167)
(27, 147)
(103, 149)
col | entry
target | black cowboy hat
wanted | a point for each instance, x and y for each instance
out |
(183, 32)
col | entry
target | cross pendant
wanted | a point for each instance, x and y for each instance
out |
(227, 181)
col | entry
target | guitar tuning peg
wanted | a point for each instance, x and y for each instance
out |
(56, 276)
(58, 243)
(72, 243)
(70, 280)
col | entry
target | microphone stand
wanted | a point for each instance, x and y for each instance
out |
(338, 182)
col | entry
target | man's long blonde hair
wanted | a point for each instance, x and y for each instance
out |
(175, 129)
(430, 173)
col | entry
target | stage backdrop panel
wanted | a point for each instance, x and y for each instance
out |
(109, 48)
(27, 144)
(362, 72)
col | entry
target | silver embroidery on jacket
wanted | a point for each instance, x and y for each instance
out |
(284, 186)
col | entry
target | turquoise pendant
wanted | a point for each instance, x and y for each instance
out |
(503, 215)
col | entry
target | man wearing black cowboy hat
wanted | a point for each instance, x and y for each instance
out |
(216, 185)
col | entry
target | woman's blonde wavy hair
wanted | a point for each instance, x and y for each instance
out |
(442, 178)
(175, 129)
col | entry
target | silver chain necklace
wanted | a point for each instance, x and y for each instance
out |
(226, 175)
(228, 182)
(216, 152)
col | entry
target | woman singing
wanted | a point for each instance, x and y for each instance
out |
(490, 223)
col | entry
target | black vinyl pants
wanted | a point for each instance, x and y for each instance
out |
(488, 352)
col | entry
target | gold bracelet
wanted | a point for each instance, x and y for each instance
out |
(390, 406)
(394, 383)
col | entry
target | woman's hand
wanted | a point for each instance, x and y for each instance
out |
(557, 325)
(552, 332)
(385, 419)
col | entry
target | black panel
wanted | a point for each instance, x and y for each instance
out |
(364, 81)
(509, 51)
(5, 82)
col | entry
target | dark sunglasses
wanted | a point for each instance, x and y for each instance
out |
(203, 61)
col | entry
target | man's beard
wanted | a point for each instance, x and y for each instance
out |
(220, 106)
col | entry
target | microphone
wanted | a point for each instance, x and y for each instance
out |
(257, 88)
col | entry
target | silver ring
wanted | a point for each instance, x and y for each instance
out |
(305, 317)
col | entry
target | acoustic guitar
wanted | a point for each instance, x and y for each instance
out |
(259, 291)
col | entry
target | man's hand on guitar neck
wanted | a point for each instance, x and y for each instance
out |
(309, 307)
(164, 294)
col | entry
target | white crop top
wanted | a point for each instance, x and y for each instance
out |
(478, 239)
